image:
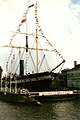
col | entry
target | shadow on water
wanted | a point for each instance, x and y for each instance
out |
(63, 110)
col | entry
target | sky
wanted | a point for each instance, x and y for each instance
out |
(59, 19)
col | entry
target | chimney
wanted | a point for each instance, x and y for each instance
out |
(75, 63)
(21, 67)
(1, 70)
(26, 43)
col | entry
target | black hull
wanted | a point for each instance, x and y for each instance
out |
(12, 97)
(34, 82)
(41, 85)
(56, 98)
(24, 98)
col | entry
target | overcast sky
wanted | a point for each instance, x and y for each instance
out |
(59, 19)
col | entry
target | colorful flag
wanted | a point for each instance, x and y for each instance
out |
(24, 20)
(13, 56)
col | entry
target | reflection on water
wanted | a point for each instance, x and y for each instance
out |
(65, 110)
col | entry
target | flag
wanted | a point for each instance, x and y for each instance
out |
(23, 20)
(31, 5)
(13, 56)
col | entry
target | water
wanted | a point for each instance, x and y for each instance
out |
(64, 110)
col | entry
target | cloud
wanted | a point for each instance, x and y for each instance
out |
(75, 1)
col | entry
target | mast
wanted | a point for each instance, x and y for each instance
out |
(36, 38)
(26, 48)
(19, 49)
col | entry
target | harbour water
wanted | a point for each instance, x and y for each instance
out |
(62, 110)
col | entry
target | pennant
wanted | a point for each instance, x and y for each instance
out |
(31, 5)
(20, 24)
(13, 56)
(24, 20)
(11, 61)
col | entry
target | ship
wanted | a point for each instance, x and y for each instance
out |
(35, 85)
(36, 80)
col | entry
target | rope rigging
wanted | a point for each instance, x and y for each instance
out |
(18, 29)
(43, 55)
(42, 34)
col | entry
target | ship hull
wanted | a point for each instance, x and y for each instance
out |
(38, 99)
(15, 97)
(56, 98)
(34, 82)
(41, 85)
